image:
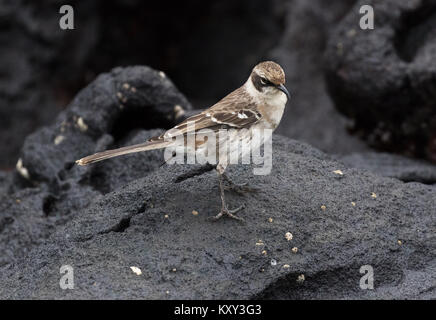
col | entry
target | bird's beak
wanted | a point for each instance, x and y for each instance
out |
(283, 89)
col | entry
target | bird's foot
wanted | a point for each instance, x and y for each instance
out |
(229, 213)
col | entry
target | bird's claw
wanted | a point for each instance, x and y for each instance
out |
(229, 213)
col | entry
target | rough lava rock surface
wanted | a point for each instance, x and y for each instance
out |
(48, 189)
(384, 79)
(149, 224)
(130, 212)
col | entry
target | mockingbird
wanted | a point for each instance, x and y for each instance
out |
(257, 105)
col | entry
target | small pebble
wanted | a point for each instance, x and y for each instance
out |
(195, 212)
(126, 86)
(81, 124)
(338, 172)
(351, 33)
(300, 278)
(273, 262)
(373, 195)
(136, 270)
(353, 203)
(260, 243)
(174, 269)
(323, 207)
(288, 236)
(264, 252)
(270, 220)
(21, 169)
(400, 242)
(286, 266)
(166, 216)
(59, 139)
(294, 249)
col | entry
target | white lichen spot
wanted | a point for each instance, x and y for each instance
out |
(294, 249)
(373, 195)
(288, 236)
(59, 139)
(301, 278)
(351, 33)
(133, 89)
(273, 262)
(81, 124)
(286, 266)
(136, 270)
(264, 252)
(21, 169)
(179, 111)
(166, 216)
(339, 172)
(353, 203)
(174, 270)
(119, 95)
(126, 86)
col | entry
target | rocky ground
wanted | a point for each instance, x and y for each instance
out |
(345, 204)
(131, 212)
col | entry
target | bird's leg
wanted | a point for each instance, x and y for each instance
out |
(239, 188)
(224, 209)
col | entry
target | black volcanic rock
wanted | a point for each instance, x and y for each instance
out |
(384, 79)
(48, 189)
(392, 165)
(130, 211)
(310, 116)
(149, 224)
(41, 66)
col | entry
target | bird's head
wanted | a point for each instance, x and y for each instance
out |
(268, 79)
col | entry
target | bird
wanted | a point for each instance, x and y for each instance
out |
(257, 105)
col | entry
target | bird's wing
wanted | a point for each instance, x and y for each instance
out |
(230, 112)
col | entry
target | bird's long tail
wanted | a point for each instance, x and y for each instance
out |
(99, 156)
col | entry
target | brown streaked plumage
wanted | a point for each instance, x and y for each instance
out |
(258, 104)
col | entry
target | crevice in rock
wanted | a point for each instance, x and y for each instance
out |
(134, 118)
(4, 222)
(48, 205)
(414, 29)
(124, 223)
(195, 172)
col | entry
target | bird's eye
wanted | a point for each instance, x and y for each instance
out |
(263, 81)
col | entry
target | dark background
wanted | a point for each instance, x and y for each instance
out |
(383, 81)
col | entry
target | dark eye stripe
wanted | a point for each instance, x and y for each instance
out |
(257, 82)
